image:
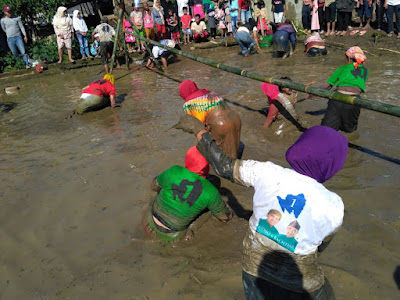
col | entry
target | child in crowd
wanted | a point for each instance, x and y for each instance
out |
(185, 20)
(95, 47)
(129, 39)
(330, 16)
(212, 22)
(137, 20)
(158, 17)
(279, 9)
(220, 15)
(148, 21)
(228, 19)
(172, 21)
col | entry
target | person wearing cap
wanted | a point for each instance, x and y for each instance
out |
(350, 80)
(273, 268)
(95, 46)
(162, 53)
(97, 94)
(182, 195)
(106, 34)
(209, 108)
(14, 29)
(63, 28)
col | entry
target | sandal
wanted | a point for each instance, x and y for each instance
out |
(354, 32)
(390, 34)
(363, 32)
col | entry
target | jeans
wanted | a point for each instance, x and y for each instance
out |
(396, 10)
(234, 22)
(245, 15)
(306, 17)
(245, 41)
(16, 43)
(83, 44)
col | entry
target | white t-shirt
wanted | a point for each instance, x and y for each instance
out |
(181, 5)
(198, 28)
(393, 2)
(306, 204)
(244, 29)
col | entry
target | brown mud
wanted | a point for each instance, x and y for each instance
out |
(72, 189)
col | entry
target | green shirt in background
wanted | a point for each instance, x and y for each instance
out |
(183, 196)
(348, 75)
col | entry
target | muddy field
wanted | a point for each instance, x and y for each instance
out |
(72, 188)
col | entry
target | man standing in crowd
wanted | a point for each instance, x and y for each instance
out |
(14, 29)
(106, 33)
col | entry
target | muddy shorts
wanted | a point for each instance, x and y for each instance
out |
(150, 226)
(259, 289)
(341, 116)
(105, 49)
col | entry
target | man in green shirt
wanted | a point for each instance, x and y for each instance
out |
(183, 194)
(350, 80)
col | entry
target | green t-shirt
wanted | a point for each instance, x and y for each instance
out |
(183, 196)
(348, 75)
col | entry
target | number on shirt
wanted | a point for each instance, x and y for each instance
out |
(181, 190)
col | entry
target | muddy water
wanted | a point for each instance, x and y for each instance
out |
(72, 189)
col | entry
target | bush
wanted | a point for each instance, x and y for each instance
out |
(45, 49)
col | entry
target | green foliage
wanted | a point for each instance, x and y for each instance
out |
(45, 49)
(8, 62)
(28, 9)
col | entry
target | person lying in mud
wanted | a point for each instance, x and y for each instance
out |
(222, 122)
(286, 96)
(315, 45)
(96, 95)
(350, 80)
(283, 37)
(183, 194)
(298, 195)
(159, 52)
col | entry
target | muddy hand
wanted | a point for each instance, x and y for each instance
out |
(189, 124)
(116, 105)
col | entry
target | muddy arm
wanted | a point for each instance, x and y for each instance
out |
(325, 243)
(288, 106)
(155, 186)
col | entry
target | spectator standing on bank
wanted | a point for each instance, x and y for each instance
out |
(393, 6)
(306, 15)
(330, 16)
(81, 32)
(14, 29)
(279, 10)
(244, 10)
(65, 33)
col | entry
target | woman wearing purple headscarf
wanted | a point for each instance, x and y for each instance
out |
(281, 262)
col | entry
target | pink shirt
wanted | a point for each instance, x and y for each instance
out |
(148, 20)
(185, 19)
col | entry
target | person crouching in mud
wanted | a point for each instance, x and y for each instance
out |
(159, 52)
(298, 195)
(171, 214)
(244, 38)
(222, 122)
(350, 80)
(315, 45)
(283, 37)
(96, 94)
(285, 96)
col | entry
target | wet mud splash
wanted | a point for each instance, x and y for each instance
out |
(72, 189)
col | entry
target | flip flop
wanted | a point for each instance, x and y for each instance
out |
(362, 32)
(354, 32)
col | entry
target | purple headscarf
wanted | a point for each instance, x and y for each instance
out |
(319, 153)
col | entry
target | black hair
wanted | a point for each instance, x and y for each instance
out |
(197, 16)
(183, 8)
(221, 5)
(284, 78)
(260, 4)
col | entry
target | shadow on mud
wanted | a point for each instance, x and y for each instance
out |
(233, 203)
(7, 107)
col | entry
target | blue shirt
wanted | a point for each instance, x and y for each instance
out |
(234, 4)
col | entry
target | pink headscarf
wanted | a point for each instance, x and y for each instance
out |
(357, 54)
(196, 163)
(188, 90)
(270, 90)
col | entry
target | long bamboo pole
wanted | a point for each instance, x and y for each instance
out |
(120, 13)
(353, 100)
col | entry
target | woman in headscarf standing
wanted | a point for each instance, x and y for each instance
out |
(222, 122)
(81, 32)
(350, 80)
(281, 262)
(64, 31)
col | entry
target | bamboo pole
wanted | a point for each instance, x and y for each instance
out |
(353, 100)
(120, 13)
